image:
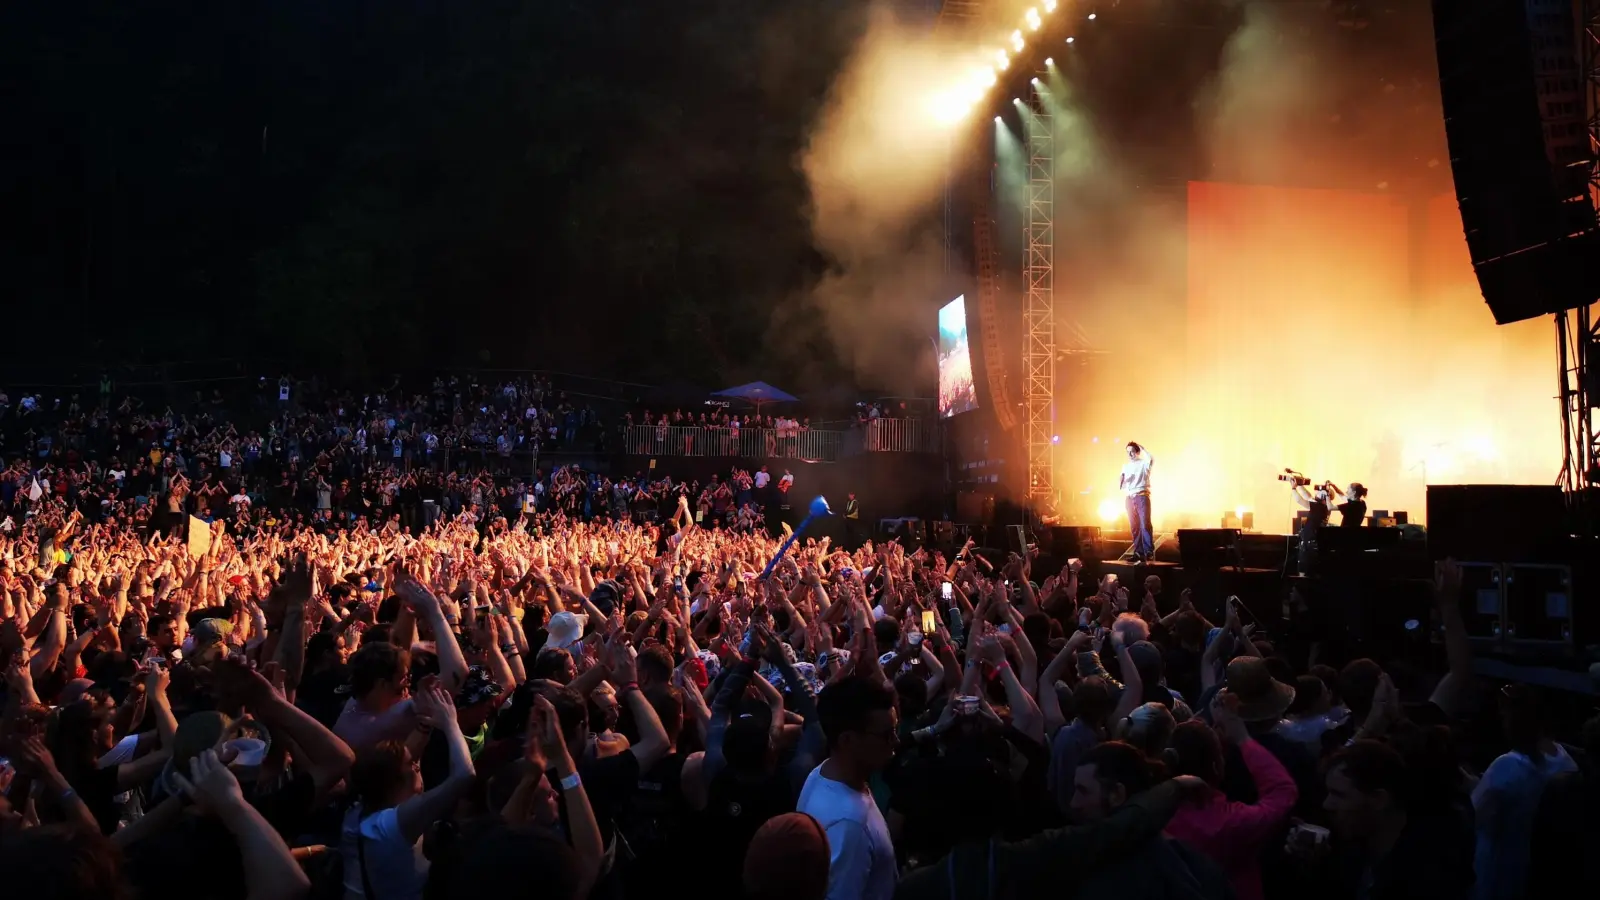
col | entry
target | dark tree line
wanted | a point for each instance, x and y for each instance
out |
(378, 186)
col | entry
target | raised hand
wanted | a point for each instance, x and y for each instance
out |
(209, 783)
(435, 707)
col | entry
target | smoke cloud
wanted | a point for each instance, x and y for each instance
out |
(875, 165)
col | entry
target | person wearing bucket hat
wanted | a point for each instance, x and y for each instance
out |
(606, 595)
(477, 701)
(566, 630)
(1261, 698)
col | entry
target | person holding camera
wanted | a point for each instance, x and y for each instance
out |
(1315, 503)
(1354, 507)
(1135, 486)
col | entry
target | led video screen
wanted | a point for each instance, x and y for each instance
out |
(957, 392)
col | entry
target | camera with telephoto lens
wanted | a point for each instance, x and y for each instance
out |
(1294, 478)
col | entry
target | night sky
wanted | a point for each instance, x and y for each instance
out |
(376, 186)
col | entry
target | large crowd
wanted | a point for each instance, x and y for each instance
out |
(269, 662)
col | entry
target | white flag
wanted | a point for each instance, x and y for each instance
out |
(35, 492)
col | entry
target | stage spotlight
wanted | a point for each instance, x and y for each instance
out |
(997, 120)
(1048, 62)
(1055, 439)
(1110, 510)
(1070, 40)
(1091, 17)
(1032, 18)
(1004, 61)
(1049, 6)
(1017, 43)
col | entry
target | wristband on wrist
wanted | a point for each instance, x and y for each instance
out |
(571, 781)
(627, 686)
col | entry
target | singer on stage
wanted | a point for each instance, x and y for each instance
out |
(1136, 486)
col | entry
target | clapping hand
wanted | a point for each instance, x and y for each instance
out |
(435, 707)
(546, 746)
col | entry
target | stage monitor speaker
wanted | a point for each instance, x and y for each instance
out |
(1206, 549)
(1514, 96)
(1072, 541)
(1514, 523)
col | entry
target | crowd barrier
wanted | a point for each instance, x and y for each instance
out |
(812, 445)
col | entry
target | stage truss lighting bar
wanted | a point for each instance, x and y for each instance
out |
(1578, 331)
(1039, 276)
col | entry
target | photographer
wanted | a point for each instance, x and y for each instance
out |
(1354, 508)
(1317, 508)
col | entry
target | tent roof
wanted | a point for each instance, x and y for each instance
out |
(757, 392)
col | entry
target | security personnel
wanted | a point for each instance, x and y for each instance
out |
(852, 521)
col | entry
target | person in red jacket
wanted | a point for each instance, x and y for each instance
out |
(1229, 832)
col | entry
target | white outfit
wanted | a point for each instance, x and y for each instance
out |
(395, 869)
(1505, 800)
(1136, 474)
(860, 851)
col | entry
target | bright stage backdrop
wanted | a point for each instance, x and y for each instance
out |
(1341, 333)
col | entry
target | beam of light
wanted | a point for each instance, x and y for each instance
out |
(1110, 510)
(1032, 18)
(948, 107)
(1017, 42)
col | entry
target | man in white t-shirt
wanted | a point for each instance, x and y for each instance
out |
(762, 478)
(1135, 485)
(859, 719)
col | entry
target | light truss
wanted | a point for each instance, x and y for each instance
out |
(1039, 353)
(1580, 381)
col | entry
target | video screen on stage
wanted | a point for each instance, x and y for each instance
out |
(957, 392)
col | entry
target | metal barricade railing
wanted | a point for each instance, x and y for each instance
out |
(750, 443)
(901, 436)
(816, 445)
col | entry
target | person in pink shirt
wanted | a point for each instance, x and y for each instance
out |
(1229, 832)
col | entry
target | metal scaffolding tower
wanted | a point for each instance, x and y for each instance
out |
(1578, 331)
(1039, 353)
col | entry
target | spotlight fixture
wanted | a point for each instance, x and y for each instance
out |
(1048, 62)
(1070, 40)
(1049, 6)
(1091, 17)
(1032, 18)
(1017, 41)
